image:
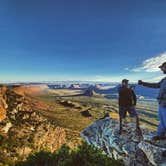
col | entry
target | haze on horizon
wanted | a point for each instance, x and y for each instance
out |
(90, 40)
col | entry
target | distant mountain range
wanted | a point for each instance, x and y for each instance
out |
(102, 88)
(139, 90)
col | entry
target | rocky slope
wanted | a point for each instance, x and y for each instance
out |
(133, 149)
(23, 130)
(3, 105)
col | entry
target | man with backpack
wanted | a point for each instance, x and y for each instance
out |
(127, 103)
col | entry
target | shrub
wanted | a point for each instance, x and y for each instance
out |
(84, 155)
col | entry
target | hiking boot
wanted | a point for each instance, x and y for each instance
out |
(120, 132)
(136, 138)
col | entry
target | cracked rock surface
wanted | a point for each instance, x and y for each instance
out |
(133, 149)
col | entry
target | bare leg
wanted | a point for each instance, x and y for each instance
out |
(120, 125)
(138, 130)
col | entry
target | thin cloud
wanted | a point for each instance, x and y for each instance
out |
(151, 64)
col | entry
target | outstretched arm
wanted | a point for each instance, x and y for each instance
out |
(150, 85)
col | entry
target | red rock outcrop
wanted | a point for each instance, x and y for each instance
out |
(3, 105)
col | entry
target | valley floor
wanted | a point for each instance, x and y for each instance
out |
(74, 112)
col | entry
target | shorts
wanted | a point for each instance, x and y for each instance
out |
(123, 111)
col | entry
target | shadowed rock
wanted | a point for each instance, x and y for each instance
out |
(86, 113)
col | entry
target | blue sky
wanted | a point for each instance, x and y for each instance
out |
(49, 40)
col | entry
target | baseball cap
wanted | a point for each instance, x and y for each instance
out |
(125, 80)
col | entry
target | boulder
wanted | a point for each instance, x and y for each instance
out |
(132, 148)
(86, 113)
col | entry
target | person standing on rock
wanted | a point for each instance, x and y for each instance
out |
(162, 103)
(127, 103)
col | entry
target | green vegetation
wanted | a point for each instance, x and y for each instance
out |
(84, 155)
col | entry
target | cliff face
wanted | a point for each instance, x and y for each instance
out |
(3, 105)
(23, 130)
(134, 150)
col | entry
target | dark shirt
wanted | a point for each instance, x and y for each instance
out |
(127, 97)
